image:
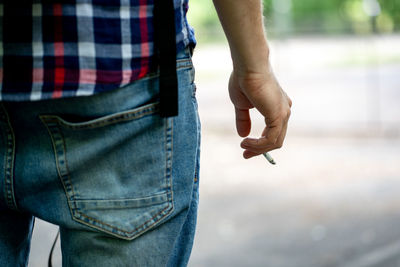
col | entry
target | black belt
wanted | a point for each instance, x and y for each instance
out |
(165, 47)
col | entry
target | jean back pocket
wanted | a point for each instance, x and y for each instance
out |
(116, 169)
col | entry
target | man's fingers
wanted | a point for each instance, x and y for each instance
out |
(272, 138)
(260, 145)
(262, 91)
(243, 122)
(248, 154)
(252, 152)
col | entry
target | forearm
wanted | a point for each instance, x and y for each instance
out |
(252, 83)
(242, 21)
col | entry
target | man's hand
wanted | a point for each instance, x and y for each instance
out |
(262, 91)
(252, 83)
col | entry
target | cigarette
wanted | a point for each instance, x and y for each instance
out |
(269, 158)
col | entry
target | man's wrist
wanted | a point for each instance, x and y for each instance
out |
(252, 61)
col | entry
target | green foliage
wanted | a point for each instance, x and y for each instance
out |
(203, 17)
(285, 17)
(337, 16)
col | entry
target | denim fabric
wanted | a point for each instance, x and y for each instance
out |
(119, 180)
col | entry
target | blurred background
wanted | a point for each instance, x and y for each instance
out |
(333, 199)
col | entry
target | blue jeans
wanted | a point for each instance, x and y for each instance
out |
(120, 181)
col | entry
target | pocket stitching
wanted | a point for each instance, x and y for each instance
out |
(46, 120)
(167, 210)
(184, 63)
(106, 120)
(169, 150)
(65, 182)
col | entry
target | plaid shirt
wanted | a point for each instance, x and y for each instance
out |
(54, 49)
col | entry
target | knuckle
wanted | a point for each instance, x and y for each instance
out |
(271, 140)
(278, 144)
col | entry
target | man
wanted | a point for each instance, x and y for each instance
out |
(83, 144)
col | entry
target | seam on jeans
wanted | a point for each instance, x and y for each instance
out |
(166, 149)
(183, 67)
(67, 195)
(5, 159)
(12, 199)
(194, 91)
(9, 163)
(121, 199)
(183, 60)
(170, 129)
(168, 157)
(106, 120)
(167, 209)
(184, 64)
(198, 142)
(67, 168)
(5, 156)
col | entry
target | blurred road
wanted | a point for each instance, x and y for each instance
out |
(332, 200)
(327, 202)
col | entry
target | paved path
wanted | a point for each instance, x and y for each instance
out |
(328, 202)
